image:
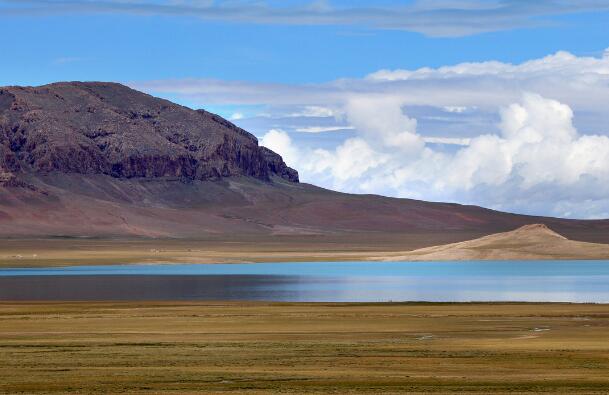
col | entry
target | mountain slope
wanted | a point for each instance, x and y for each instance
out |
(107, 128)
(102, 160)
(529, 242)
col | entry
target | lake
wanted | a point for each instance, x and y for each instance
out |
(532, 281)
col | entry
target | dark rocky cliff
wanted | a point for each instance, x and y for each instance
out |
(108, 128)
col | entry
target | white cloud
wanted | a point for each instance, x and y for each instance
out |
(236, 116)
(456, 109)
(314, 112)
(352, 160)
(538, 148)
(382, 121)
(560, 63)
(477, 136)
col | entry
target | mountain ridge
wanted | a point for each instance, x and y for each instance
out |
(103, 160)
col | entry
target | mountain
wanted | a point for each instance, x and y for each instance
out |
(109, 129)
(103, 160)
(529, 242)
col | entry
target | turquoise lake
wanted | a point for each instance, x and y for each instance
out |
(531, 281)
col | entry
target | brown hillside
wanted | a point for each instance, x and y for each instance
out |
(103, 160)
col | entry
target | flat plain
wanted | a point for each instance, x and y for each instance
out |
(527, 243)
(49, 252)
(180, 348)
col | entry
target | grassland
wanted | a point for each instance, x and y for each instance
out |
(182, 348)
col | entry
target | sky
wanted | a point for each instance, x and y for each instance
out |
(498, 103)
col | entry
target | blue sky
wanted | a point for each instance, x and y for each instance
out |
(294, 72)
(121, 46)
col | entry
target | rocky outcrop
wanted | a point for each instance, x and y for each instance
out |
(276, 165)
(108, 128)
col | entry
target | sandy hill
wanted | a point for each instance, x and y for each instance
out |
(528, 242)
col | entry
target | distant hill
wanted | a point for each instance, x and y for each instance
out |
(103, 160)
(529, 242)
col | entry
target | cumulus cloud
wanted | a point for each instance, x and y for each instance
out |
(467, 133)
(439, 18)
(538, 148)
(382, 121)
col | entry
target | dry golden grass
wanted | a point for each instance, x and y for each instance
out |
(182, 348)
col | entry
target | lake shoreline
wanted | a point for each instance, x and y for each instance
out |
(245, 303)
(348, 281)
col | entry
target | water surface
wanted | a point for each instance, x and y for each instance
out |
(533, 281)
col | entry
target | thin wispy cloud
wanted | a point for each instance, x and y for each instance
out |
(323, 129)
(461, 89)
(66, 60)
(440, 18)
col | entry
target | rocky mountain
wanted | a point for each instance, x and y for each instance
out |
(102, 160)
(110, 129)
